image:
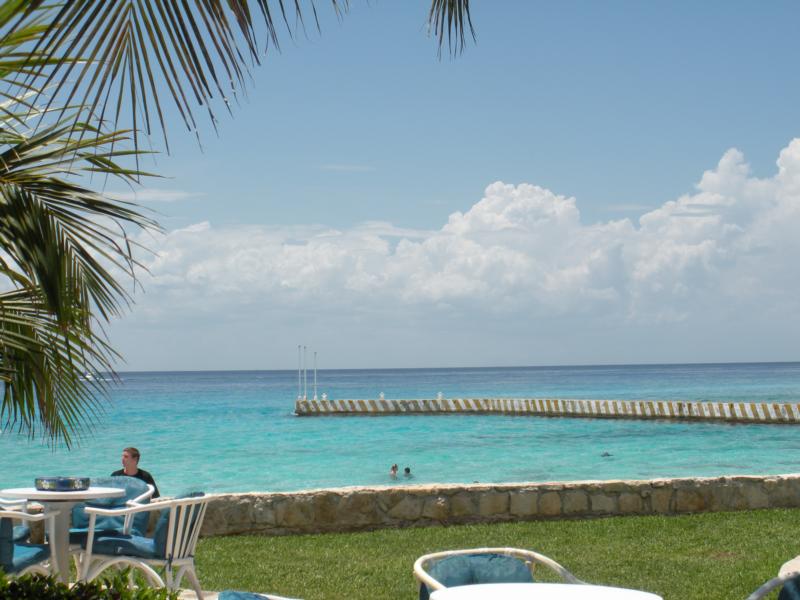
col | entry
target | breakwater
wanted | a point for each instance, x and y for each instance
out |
(367, 508)
(742, 412)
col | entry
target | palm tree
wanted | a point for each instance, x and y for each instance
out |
(72, 73)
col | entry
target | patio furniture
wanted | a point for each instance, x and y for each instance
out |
(540, 591)
(171, 549)
(790, 585)
(21, 558)
(21, 532)
(234, 595)
(136, 492)
(454, 568)
(60, 505)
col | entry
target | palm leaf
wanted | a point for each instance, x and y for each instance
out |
(116, 58)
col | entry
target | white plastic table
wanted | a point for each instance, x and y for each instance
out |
(62, 502)
(539, 591)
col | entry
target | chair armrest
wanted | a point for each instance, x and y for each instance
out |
(23, 516)
(121, 512)
(142, 497)
(770, 585)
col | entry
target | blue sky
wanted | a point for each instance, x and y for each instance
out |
(345, 204)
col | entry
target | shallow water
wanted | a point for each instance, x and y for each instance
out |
(235, 431)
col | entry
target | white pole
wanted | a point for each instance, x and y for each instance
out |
(315, 375)
(299, 364)
(305, 374)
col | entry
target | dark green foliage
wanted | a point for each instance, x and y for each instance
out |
(38, 587)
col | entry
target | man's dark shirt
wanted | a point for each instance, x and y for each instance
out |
(140, 474)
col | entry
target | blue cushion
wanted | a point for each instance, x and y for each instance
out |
(469, 569)
(21, 533)
(6, 544)
(233, 595)
(128, 545)
(790, 590)
(80, 520)
(26, 555)
(162, 526)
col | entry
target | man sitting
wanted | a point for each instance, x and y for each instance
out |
(130, 467)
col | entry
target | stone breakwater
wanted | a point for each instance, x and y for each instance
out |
(739, 412)
(362, 508)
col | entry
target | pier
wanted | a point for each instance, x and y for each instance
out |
(737, 412)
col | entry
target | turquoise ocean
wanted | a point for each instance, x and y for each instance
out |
(235, 431)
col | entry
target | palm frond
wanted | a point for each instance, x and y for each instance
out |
(450, 21)
(116, 59)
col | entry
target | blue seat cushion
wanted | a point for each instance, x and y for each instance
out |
(104, 526)
(469, 569)
(790, 590)
(80, 520)
(26, 555)
(6, 544)
(16, 557)
(21, 533)
(127, 545)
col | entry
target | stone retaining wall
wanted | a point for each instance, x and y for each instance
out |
(747, 412)
(355, 509)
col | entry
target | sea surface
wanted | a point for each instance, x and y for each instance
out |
(235, 431)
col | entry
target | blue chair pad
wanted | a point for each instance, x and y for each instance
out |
(125, 545)
(26, 555)
(133, 487)
(469, 569)
(78, 535)
(21, 534)
(790, 590)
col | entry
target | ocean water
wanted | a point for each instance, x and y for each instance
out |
(235, 431)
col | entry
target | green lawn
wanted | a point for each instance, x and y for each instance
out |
(708, 556)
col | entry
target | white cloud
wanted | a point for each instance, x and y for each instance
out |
(520, 253)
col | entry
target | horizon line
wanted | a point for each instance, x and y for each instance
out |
(450, 368)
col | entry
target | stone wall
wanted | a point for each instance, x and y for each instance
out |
(736, 412)
(355, 509)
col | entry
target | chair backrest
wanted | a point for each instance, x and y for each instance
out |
(6, 542)
(7, 518)
(178, 527)
(482, 567)
(134, 488)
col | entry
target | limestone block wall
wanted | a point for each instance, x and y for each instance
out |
(748, 412)
(362, 508)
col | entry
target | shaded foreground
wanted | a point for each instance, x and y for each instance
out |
(709, 556)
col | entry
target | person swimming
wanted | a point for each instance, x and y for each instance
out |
(407, 473)
(393, 471)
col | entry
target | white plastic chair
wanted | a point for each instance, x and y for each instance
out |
(171, 549)
(40, 557)
(21, 532)
(530, 558)
(76, 549)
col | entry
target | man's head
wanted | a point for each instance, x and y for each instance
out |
(130, 459)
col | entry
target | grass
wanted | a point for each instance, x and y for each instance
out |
(708, 556)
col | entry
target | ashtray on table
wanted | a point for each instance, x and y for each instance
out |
(62, 484)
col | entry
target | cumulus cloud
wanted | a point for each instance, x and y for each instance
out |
(521, 250)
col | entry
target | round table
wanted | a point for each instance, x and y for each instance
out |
(540, 591)
(62, 502)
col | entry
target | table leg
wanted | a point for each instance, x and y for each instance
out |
(60, 537)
